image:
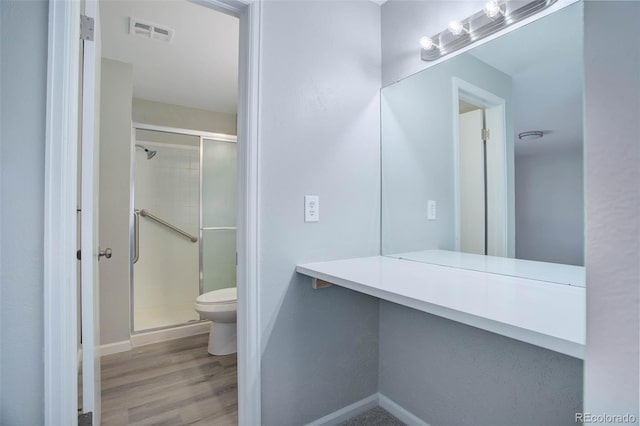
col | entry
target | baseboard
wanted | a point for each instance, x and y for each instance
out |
(108, 349)
(169, 334)
(347, 412)
(399, 412)
(116, 347)
(359, 407)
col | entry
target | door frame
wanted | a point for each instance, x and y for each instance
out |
(485, 99)
(61, 143)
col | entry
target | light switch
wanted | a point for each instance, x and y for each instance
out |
(432, 210)
(311, 208)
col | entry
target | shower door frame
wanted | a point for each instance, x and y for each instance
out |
(202, 135)
(201, 228)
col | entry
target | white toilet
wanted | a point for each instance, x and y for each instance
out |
(219, 307)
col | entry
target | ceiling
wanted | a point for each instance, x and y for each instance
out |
(198, 68)
(544, 60)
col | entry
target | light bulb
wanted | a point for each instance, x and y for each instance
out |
(456, 27)
(492, 9)
(427, 43)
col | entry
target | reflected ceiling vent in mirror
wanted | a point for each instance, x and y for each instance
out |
(495, 16)
(529, 136)
(144, 29)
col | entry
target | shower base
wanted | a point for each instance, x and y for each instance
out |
(163, 316)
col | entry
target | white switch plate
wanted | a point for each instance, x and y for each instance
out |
(432, 211)
(311, 208)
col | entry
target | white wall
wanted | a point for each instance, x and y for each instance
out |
(115, 180)
(319, 135)
(405, 21)
(418, 152)
(161, 114)
(23, 77)
(612, 159)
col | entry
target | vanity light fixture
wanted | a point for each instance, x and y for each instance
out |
(531, 135)
(427, 43)
(457, 28)
(493, 9)
(495, 16)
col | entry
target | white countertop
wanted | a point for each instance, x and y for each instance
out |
(541, 271)
(544, 314)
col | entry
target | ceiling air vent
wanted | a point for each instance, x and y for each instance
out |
(148, 30)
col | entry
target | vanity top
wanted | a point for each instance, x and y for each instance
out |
(539, 271)
(548, 315)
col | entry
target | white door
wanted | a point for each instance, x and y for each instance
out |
(471, 165)
(89, 242)
(496, 182)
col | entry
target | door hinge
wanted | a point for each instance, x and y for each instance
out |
(485, 134)
(87, 27)
(85, 419)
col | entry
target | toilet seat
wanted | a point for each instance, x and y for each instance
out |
(218, 297)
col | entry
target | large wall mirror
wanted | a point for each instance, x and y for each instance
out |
(482, 156)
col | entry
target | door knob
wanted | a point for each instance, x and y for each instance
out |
(106, 253)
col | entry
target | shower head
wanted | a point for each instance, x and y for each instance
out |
(150, 154)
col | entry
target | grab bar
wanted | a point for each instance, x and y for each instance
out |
(136, 235)
(145, 213)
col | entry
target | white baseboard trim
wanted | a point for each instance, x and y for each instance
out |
(399, 412)
(169, 334)
(108, 349)
(359, 407)
(115, 348)
(347, 412)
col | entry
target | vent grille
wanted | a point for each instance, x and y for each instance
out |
(148, 30)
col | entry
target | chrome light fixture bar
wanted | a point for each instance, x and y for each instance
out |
(496, 15)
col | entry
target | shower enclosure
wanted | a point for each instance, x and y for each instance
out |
(183, 229)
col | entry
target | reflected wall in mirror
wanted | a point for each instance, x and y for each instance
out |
(460, 187)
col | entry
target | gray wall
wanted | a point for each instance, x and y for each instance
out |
(115, 171)
(495, 368)
(418, 153)
(319, 135)
(550, 206)
(22, 139)
(161, 114)
(448, 373)
(612, 154)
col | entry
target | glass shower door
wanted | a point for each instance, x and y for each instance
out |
(218, 224)
(165, 196)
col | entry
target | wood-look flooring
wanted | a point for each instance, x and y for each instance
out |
(170, 383)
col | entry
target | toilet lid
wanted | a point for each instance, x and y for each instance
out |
(225, 295)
